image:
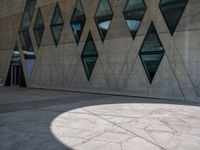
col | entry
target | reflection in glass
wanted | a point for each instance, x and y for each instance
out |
(172, 11)
(15, 56)
(39, 28)
(151, 62)
(24, 27)
(30, 6)
(78, 21)
(25, 38)
(26, 21)
(15, 76)
(29, 63)
(103, 17)
(133, 14)
(89, 56)
(133, 25)
(104, 25)
(151, 52)
(26, 41)
(56, 24)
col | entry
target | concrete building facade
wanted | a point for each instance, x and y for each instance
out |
(119, 61)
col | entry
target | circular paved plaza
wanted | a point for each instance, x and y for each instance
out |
(130, 127)
(33, 119)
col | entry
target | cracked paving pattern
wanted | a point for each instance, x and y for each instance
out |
(97, 125)
(131, 126)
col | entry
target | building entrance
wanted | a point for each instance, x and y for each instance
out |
(15, 75)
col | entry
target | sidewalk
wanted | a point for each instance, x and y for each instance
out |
(33, 119)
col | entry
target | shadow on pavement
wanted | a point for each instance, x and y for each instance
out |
(24, 125)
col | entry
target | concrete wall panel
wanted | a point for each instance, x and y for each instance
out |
(118, 69)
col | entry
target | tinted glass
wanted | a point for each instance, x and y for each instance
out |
(172, 11)
(89, 56)
(103, 17)
(15, 56)
(78, 21)
(151, 53)
(133, 13)
(39, 28)
(152, 42)
(56, 24)
(24, 34)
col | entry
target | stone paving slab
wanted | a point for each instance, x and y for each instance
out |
(82, 121)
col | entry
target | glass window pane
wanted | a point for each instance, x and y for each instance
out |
(24, 34)
(152, 42)
(89, 63)
(151, 63)
(38, 35)
(56, 24)
(39, 28)
(89, 56)
(103, 9)
(56, 31)
(15, 56)
(30, 6)
(26, 40)
(133, 13)
(78, 13)
(78, 21)
(172, 11)
(103, 17)
(151, 52)
(57, 17)
(26, 21)
(29, 64)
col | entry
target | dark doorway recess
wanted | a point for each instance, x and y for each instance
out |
(15, 75)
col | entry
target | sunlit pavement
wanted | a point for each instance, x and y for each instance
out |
(58, 120)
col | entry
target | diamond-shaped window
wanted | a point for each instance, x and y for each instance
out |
(26, 21)
(89, 56)
(25, 37)
(133, 14)
(151, 52)
(30, 6)
(39, 28)
(57, 24)
(103, 17)
(78, 21)
(172, 11)
(24, 34)
(27, 44)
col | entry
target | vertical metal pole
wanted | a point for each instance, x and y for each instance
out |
(15, 77)
(11, 75)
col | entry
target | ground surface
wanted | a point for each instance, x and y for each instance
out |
(33, 119)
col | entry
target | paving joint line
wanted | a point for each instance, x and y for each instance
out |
(127, 130)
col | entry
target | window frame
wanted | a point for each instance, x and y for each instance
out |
(80, 21)
(133, 35)
(151, 52)
(56, 42)
(83, 56)
(35, 29)
(104, 16)
(177, 22)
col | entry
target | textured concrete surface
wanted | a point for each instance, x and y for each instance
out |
(118, 69)
(36, 119)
